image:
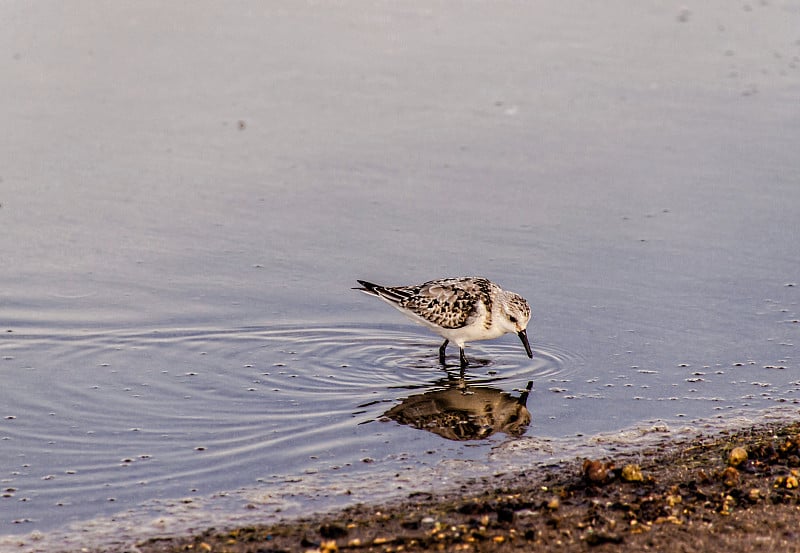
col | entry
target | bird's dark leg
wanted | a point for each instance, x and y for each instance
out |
(441, 351)
(462, 358)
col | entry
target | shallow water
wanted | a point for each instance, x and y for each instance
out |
(189, 196)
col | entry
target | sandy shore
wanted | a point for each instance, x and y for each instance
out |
(737, 491)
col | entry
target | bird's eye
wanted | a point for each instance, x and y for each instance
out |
(513, 319)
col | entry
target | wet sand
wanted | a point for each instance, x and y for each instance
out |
(735, 491)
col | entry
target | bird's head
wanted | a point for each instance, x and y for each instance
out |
(516, 313)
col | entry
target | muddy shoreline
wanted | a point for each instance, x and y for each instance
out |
(734, 491)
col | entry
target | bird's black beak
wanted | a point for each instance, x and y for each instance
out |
(524, 337)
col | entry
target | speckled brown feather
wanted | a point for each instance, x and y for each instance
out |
(449, 303)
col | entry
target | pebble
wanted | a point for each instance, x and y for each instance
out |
(727, 506)
(632, 473)
(738, 455)
(328, 547)
(788, 482)
(730, 477)
(596, 472)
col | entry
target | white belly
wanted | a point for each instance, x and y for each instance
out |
(471, 333)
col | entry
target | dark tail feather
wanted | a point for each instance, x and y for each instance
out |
(395, 295)
(368, 287)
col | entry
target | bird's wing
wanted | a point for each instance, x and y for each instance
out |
(449, 303)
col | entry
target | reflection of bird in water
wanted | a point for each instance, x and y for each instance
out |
(462, 309)
(469, 413)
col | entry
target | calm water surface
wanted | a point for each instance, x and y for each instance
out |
(188, 196)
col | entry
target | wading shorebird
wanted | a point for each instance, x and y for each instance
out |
(461, 310)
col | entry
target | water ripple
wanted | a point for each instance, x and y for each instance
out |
(97, 421)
